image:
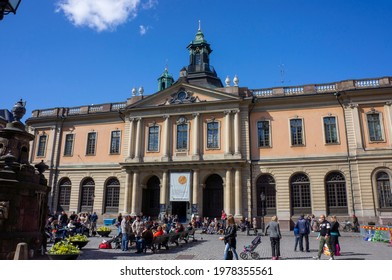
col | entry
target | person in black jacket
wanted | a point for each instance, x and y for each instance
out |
(304, 229)
(230, 238)
(324, 237)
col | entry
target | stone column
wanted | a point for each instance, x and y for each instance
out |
(195, 191)
(227, 133)
(238, 193)
(128, 191)
(135, 194)
(227, 193)
(138, 143)
(131, 151)
(164, 192)
(237, 133)
(196, 136)
(166, 138)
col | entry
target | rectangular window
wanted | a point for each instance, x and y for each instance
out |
(330, 130)
(296, 132)
(374, 125)
(153, 137)
(115, 142)
(182, 137)
(41, 146)
(263, 133)
(68, 147)
(91, 143)
(213, 135)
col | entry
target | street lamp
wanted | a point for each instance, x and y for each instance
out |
(262, 199)
(8, 6)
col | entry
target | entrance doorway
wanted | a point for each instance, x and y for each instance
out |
(179, 208)
(150, 200)
(213, 197)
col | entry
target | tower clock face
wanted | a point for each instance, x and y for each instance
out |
(181, 95)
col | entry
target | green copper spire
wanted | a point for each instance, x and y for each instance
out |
(165, 80)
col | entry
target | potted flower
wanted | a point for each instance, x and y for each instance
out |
(63, 250)
(78, 240)
(104, 231)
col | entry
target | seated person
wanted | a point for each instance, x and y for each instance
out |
(147, 237)
(189, 226)
(179, 227)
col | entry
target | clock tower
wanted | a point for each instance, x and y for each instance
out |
(199, 70)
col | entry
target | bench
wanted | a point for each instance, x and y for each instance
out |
(172, 238)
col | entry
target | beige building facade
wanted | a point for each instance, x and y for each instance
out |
(197, 147)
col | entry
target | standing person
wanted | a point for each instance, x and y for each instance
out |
(137, 228)
(275, 237)
(314, 224)
(355, 224)
(324, 237)
(124, 232)
(223, 218)
(297, 237)
(254, 225)
(119, 220)
(335, 236)
(93, 220)
(230, 238)
(304, 230)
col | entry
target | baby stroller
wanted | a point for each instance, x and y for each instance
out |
(116, 241)
(249, 249)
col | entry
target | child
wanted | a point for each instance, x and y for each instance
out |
(254, 224)
(297, 237)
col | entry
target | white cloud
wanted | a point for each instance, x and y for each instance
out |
(143, 29)
(101, 14)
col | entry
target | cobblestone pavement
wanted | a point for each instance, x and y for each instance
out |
(209, 247)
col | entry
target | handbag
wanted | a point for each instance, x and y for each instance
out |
(229, 255)
(337, 250)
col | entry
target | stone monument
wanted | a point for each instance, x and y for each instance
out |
(23, 190)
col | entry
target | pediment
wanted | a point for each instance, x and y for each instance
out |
(181, 94)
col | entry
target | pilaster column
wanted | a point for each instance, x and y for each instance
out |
(388, 118)
(237, 132)
(227, 193)
(357, 126)
(138, 143)
(238, 193)
(227, 133)
(166, 139)
(196, 133)
(131, 151)
(128, 191)
(195, 191)
(135, 194)
(164, 191)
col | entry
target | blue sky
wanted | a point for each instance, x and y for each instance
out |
(66, 53)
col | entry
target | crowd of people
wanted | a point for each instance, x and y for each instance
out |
(142, 230)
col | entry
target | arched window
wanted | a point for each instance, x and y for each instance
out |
(335, 184)
(112, 195)
(265, 186)
(300, 194)
(87, 195)
(384, 191)
(64, 194)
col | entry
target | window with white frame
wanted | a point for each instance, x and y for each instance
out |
(182, 136)
(41, 145)
(296, 129)
(374, 126)
(263, 134)
(213, 135)
(68, 147)
(115, 142)
(330, 130)
(153, 138)
(91, 143)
